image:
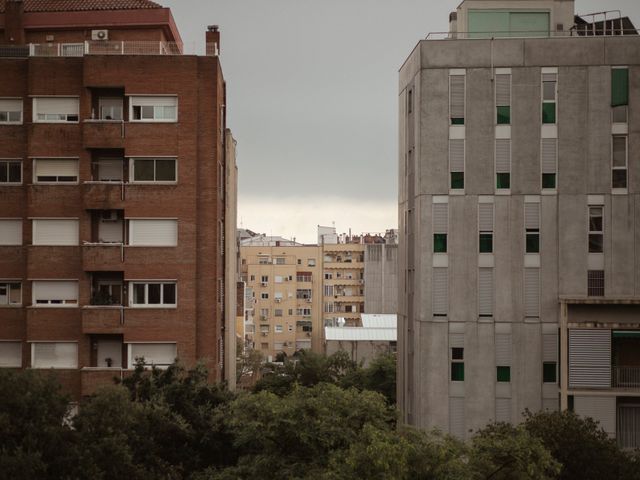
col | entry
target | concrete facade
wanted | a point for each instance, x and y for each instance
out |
(485, 308)
(381, 278)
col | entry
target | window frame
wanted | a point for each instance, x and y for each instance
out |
(131, 293)
(132, 106)
(8, 112)
(49, 303)
(100, 107)
(595, 233)
(35, 113)
(626, 163)
(459, 365)
(545, 101)
(34, 175)
(132, 171)
(8, 285)
(8, 162)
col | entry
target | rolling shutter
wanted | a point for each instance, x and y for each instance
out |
(440, 291)
(532, 216)
(532, 292)
(589, 358)
(503, 349)
(503, 410)
(153, 233)
(549, 347)
(55, 290)
(161, 354)
(10, 105)
(54, 355)
(56, 106)
(10, 232)
(456, 340)
(549, 154)
(456, 96)
(151, 101)
(56, 168)
(10, 354)
(485, 292)
(602, 409)
(440, 217)
(503, 155)
(485, 217)
(456, 155)
(55, 232)
(503, 90)
(456, 417)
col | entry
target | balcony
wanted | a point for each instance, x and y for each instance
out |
(625, 377)
(103, 134)
(102, 319)
(103, 195)
(91, 379)
(344, 265)
(348, 298)
(102, 256)
(101, 47)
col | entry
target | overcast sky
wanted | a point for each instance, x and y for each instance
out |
(312, 102)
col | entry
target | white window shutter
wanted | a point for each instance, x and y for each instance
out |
(503, 155)
(485, 292)
(11, 232)
(56, 167)
(456, 95)
(54, 290)
(56, 105)
(151, 101)
(55, 232)
(503, 90)
(440, 217)
(549, 155)
(503, 410)
(456, 155)
(485, 217)
(503, 349)
(532, 216)
(532, 292)
(10, 105)
(457, 425)
(54, 355)
(11, 354)
(154, 233)
(440, 291)
(589, 358)
(549, 347)
(456, 340)
(154, 353)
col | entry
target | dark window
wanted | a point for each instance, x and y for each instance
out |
(440, 243)
(457, 180)
(503, 115)
(549, 112)
(154, 293)
(549, 372)
(457, 353)
(486, 242)
(503, 374)
(457, 371)
(548, 180)
(619, 87)
(533, 241)
(503, 180)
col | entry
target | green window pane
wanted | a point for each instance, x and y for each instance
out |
(457, 180)
(486, 243)
(457, 372)
(440, 243)
(549, 372)
(549, 112)
(457, 121)
(548, 180)
(529, 24)
(619, 87)
(504, 374)
(533, 243)
(487, 23)
(503, 180)
(503, 115)
(143, 170)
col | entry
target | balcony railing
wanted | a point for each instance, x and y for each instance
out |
(102, 48)
(586, 30)
(625, 377)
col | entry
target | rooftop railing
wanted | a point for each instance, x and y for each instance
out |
(102, 48)
(586, 30)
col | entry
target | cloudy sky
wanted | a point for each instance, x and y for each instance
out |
(312, 102)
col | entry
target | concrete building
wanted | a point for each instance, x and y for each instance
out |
(519, 216)
(381, 275)
(376, 335)
(117, 184)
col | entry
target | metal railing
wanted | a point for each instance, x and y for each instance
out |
(101, 47)
(583, 30)
(625, 377)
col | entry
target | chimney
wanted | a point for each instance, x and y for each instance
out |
(213, 38)
(13, 22)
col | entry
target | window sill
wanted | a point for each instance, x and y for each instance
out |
(15, 305)
(619, 191)
(10, 184)
(52, 368)
(456, 191)
(60, 122)
(58, 184)
(503, 191)
(10, 124)
(99, 120)
(152, 307)
(153, 121)
(549, 192)
(169, 182)
(53, 306)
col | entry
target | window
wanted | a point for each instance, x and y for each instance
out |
(280, 260)
(159, 355)
(56, 109)
(64, 170)
(328, 290)
(549, 96)
(503, 163)
(71, 49)
(502, 23)
(278, 279)
(55, 232)
(264, 296)
(264, 346)
(304, 312)
(304, 277)
(328, 275)
(440, 292)
(311, 262)
(10, 354)
(54, 293)
(264, 279)
(440, 227)
(153, 170)
(485, 292)
(549, 372)
(548, 160)
(10, 171)
(503, 99)
(532, 227)
(263, 260)
(10, 293)
(503, 374)
(619, 161)
(153, 109)
(303, 293)
(457, 364)
(596, 242)
(595, 283)
(111, 108)
(485, 227)
(108, 170)
(456, 164)
(278, 328)
(10, 110)
(456, 98)
(619, 94)
(10, 231)
(54, 355)
(277, 312)
(153, 232)
(152, 294)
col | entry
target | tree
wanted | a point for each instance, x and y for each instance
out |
(582, 447)
(379, 376)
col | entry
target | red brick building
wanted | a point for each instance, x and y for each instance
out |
(115, 191)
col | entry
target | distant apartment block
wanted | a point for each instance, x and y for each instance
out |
(117, 193)
(519, 219)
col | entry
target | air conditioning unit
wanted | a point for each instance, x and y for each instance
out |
(99, 34)
(109, 216)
